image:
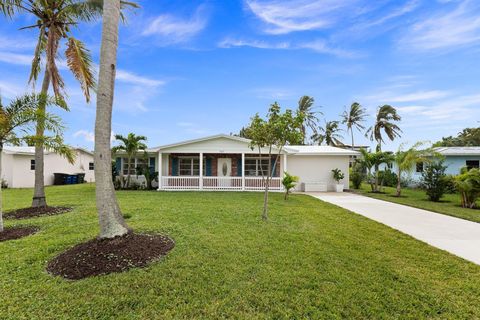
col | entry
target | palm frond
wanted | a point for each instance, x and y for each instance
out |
(37, 56)
(79, 61)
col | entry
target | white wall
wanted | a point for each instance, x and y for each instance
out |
(318, 169)
(17, 172)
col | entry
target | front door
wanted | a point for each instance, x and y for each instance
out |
(224, 171)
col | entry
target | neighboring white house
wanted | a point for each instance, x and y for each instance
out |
(228, 163)
(18, 166)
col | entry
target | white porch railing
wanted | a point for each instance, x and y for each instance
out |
(218, 183)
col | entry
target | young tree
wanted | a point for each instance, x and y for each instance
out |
(17, 122)
(274, 133)
(310, 120)
(468, 184)
(354, 118)
(131, 144)
(289, 182)
(433, 180)
(110, 217)
(405, 161)
(369, 160)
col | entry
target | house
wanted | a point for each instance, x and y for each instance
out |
(225, 162)
(18, 166)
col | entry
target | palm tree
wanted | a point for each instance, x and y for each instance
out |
(110, 217)
(131, 145)
(368, 160)
(305, 106)
(386, 116)
(354, 118)
(329, 135)
(17, 122)
(405, 161)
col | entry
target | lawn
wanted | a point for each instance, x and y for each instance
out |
(449, 204)
(311, 260)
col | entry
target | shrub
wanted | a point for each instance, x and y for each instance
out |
(388, 178)
(433, 180)
(468, 184)
(289, 182)
(450, 184)
(338, 175)
(356, 176)
(4, 184)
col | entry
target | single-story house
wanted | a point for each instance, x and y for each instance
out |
(18, 166)
(226, 162)
(455, 158)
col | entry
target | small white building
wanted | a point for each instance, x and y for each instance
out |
(18, 166)
(228, 163)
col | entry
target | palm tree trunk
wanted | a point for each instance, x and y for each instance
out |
(399, 183)
(353, 145)
(39, 199)
(1, 203)
(128, 175)
(110, 217)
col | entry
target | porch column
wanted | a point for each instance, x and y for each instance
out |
(284, 164)
(160, 171)
(200, 183)
(243, 171)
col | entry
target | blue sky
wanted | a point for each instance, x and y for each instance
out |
(189, 69)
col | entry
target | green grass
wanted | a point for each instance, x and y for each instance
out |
(311, 260)
(449, 204)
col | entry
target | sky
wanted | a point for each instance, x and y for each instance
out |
(189, 69)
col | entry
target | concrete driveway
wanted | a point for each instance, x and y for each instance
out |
(457, 236)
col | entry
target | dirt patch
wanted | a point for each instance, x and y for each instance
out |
(104, 256)
(31, 212)
(13, 233)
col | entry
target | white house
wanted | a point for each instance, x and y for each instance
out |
(228, 163)
(18, 166)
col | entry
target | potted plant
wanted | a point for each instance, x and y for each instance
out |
(337, 176)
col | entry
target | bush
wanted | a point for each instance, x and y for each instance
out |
(289, 182)
(433, 180)
(468, 183)
(387, 178)
(450, 184)
(356, 176)
(4, 184)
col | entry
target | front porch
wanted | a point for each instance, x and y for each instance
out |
(227, 172)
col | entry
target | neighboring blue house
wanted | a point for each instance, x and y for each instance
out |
(456, 158)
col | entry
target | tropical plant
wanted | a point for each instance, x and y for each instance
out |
(305, 106)
(406, 160)
(433, 180)
(274, 132)
(368, 160)
(17, 125)
(468, 183)
(387, 178)
(289, 182)
(54, 22)
(356, 176)
(110, 216)
(131, 145)
(384, 121)
(468, 137)
(353, 119)
(329, 135)
(337, 175)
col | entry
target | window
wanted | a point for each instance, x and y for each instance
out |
(189, 166)
(471, 164)
(128, 168)
(91, 166)
(419, 167)
(32, 164)
(254, 167)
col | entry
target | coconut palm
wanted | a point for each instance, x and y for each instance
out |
(368, 160)
(110, 217)
(54, 22)
(405, 161)
(305, 106)
(384, 121)
(329, 134)
(17, 125)
(131, 145)
(354, 118)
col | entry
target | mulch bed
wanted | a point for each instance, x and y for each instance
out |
(31, 212)
(13, 233)
(104, 256)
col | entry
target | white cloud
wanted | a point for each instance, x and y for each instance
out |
(446, 30)
(87, 135)
(17, 43)
(285, 16)
(11, 90)
(16, 58)
(174, 29)
(396, 97)
(132, 78)
(230, 43)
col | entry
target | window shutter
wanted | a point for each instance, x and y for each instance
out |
(118, 165)
(208, 168)
(152, 165)
(174, 166)
(239, 167)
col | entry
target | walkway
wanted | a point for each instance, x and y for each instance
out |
(457, 236)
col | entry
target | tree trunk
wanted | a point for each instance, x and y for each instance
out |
(110, 217)
(353, 146)
(399, 184)
(1, 203)
(128, 175)
(267, 185)
(39, 199)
